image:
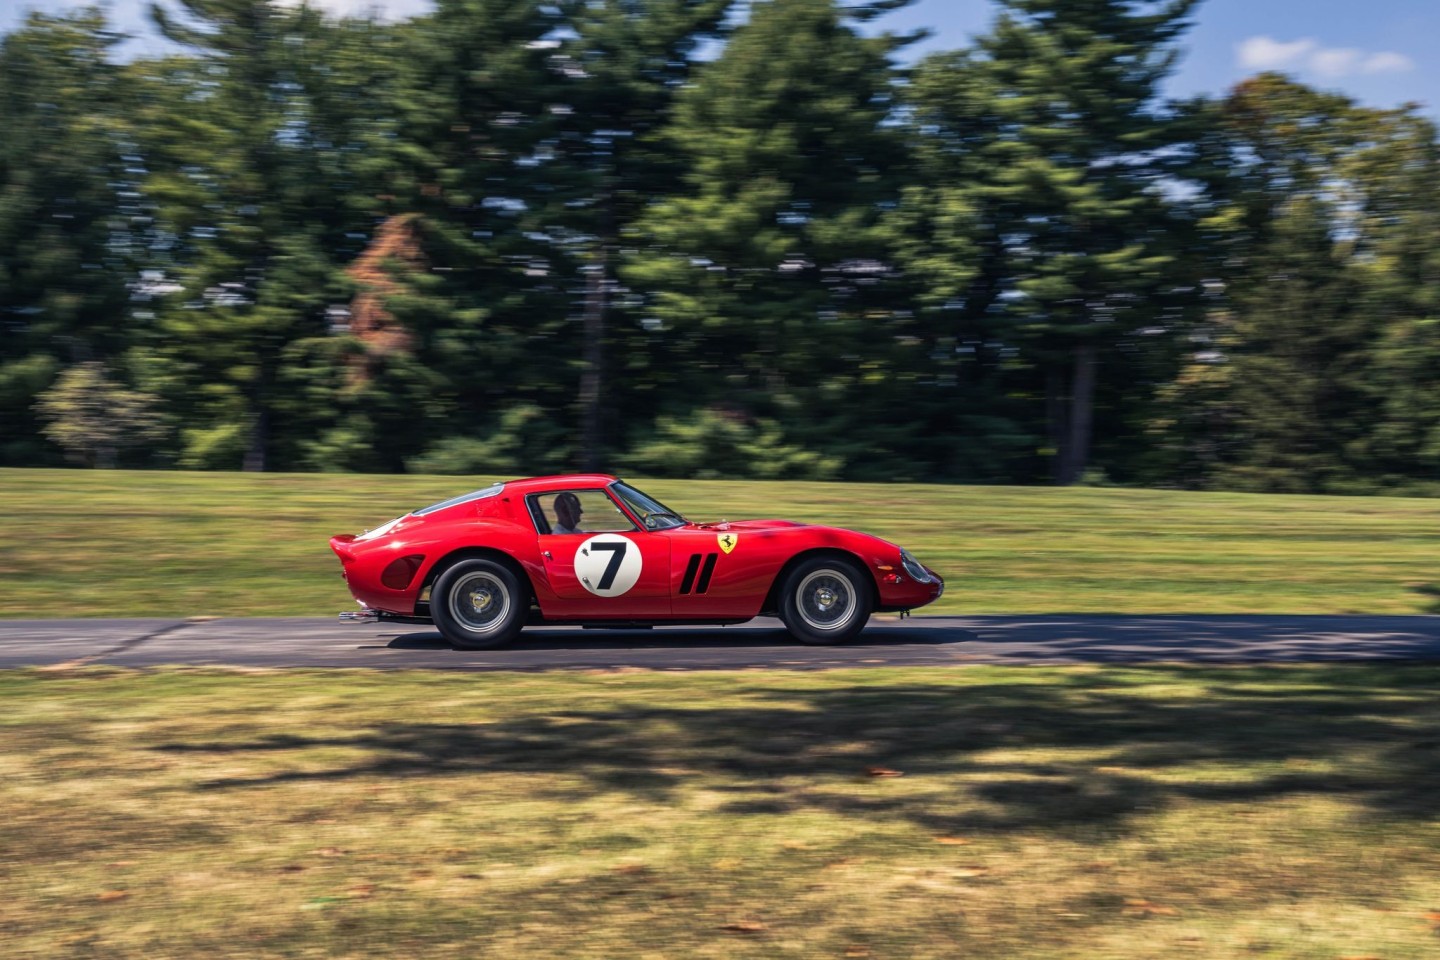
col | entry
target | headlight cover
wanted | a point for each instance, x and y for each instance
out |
(914, 567)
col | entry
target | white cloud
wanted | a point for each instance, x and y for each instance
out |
(1336, 61)
(1267, 53)
(1387, 62)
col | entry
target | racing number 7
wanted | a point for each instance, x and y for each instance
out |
(617, 554)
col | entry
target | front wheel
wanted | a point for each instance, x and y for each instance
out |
(479, 604)
(825, 601)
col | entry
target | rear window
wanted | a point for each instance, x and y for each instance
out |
(490, 491)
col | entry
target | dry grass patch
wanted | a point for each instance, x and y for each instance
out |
(1077, 812)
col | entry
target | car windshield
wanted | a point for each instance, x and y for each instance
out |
(652, 513)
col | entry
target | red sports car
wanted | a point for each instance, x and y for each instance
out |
(591, 550)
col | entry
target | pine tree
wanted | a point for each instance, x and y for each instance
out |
(481, 300)
(242, 173)
(623, 68)
(67, 245)
(950, 245)
(1076, 171)
(758, 273)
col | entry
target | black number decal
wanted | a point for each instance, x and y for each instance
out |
(613, 567)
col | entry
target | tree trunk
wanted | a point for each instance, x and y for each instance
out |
(592, 379)
(1055, 422)
(259, 439)
(1082, 412)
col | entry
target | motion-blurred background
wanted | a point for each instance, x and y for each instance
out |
(783, 239)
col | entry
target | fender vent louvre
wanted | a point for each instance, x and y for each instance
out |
(704, 583)
(693, 567)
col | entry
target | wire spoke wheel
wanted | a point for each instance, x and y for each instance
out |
(479, 603)
(825, 600)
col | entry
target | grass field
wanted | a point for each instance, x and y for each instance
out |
(987, 813)
(982, 813)
(91, 543)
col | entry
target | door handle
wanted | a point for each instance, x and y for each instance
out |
(546, 554)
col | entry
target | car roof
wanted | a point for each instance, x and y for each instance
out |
(560, 481)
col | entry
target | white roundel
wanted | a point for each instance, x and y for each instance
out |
(608, 564)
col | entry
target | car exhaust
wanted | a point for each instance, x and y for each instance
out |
(363, 615)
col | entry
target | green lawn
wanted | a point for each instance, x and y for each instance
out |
(985, 813)
(90, 543)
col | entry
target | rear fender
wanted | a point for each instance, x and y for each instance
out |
(540, 591)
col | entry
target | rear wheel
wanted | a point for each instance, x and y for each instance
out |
(825, 600)
(478, 604)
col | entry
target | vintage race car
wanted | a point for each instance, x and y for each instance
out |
(593, 551)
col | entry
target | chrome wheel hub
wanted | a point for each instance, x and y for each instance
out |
(826, 600)
(479, 602)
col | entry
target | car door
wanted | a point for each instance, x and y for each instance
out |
(719, 572)
(608, 569)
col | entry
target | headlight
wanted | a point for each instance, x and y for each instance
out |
(913, 567)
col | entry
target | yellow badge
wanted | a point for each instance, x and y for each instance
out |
(727, 541)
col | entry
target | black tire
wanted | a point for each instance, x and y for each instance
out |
(826, 600)
(479, 604)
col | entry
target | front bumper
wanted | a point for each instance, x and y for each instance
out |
(900, 591)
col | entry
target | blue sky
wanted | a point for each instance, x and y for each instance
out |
(1373, 50)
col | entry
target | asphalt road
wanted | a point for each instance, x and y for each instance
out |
(921, 641)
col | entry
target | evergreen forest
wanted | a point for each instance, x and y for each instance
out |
(706, 238)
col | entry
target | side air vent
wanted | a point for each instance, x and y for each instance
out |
(694, 567)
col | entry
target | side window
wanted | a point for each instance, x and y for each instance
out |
(578, 511)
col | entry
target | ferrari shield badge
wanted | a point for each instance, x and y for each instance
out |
(727, 541)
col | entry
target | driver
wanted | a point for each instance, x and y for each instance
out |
(567, 514)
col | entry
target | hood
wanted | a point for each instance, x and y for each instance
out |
(757, 524)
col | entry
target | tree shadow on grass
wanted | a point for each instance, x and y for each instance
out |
(562, 638)
(996, 757)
